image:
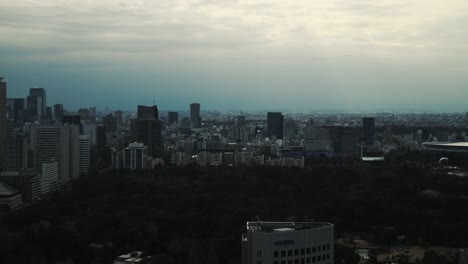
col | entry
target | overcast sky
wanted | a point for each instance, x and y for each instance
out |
(262, 54)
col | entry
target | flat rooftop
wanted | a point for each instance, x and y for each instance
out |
(448, 144)
(274, 227)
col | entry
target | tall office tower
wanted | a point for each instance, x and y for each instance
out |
(84, 154)
(73, 120)
(101, 144)
(49, 113)
(290, 128)
(148, 132)
(172, 117)
(49, 178)
(92, 115)
(134, 156)
(110, 122)
(16, 149)
(240, 121)
(58, 112)
(275, 124)
(147, 112)
(15, 109)
(119, 117)
(84, 114)
(195, 117)
(40, 92)
(34, 110)
(56, 143)
(3, 122)
(288, 242)
(368, 130)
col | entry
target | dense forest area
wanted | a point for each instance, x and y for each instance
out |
(197, 215)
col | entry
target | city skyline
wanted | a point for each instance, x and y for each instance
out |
(380, 55)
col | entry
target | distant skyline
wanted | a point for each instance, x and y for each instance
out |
(360, 55)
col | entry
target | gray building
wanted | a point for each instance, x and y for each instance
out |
(56, 143)
(275, 121)
(195, 118)
(288, 243)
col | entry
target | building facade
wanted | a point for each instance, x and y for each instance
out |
(275, 121)
(288, 243)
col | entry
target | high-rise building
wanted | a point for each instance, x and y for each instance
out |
(58, 112)
(49, 115)
(172, 117)
(3, 122)
(49, 178)
(368, 130)
(119, 117)
(288, 242)
(134, 156)
(16, 149)
(84, 114)
(195, 117)
(148, 132)
(40, 92)
(56, 143)
(84, 154)
(34, 110)
(110, 122)
(73, 120)
(15, 109)
(147, 112)
(275, 122)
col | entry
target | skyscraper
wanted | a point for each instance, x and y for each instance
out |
(148, 132)
(147, 112)
(172, 117)
(34, 104)
(42, 102)
(275, 122)
(58, 112)
(56, 143)
(134, 156)
(15, 109)
(84, 154)
(3, 122)
(368, 130)
(195, 117)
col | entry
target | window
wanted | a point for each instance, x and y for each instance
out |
(313, 259)
(259, 253)
(302, 251)
(290, 252)
(283, 253)
(275, 254)
(308, 260)
(318, 248)
(275, 262)
(313, 249)
(323, 247)
(283, 262)
(296, 252)
(328, 255)
(296, 261)
(290, 261)
(319, 258)
(259, 262)
(328, 246)
(323, 257)
(302, 260)
(308, 250)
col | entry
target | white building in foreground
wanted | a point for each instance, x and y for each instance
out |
(288, 243)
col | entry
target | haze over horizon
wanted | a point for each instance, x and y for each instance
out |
(248, 55)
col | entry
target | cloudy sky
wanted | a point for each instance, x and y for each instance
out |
(239, 54)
